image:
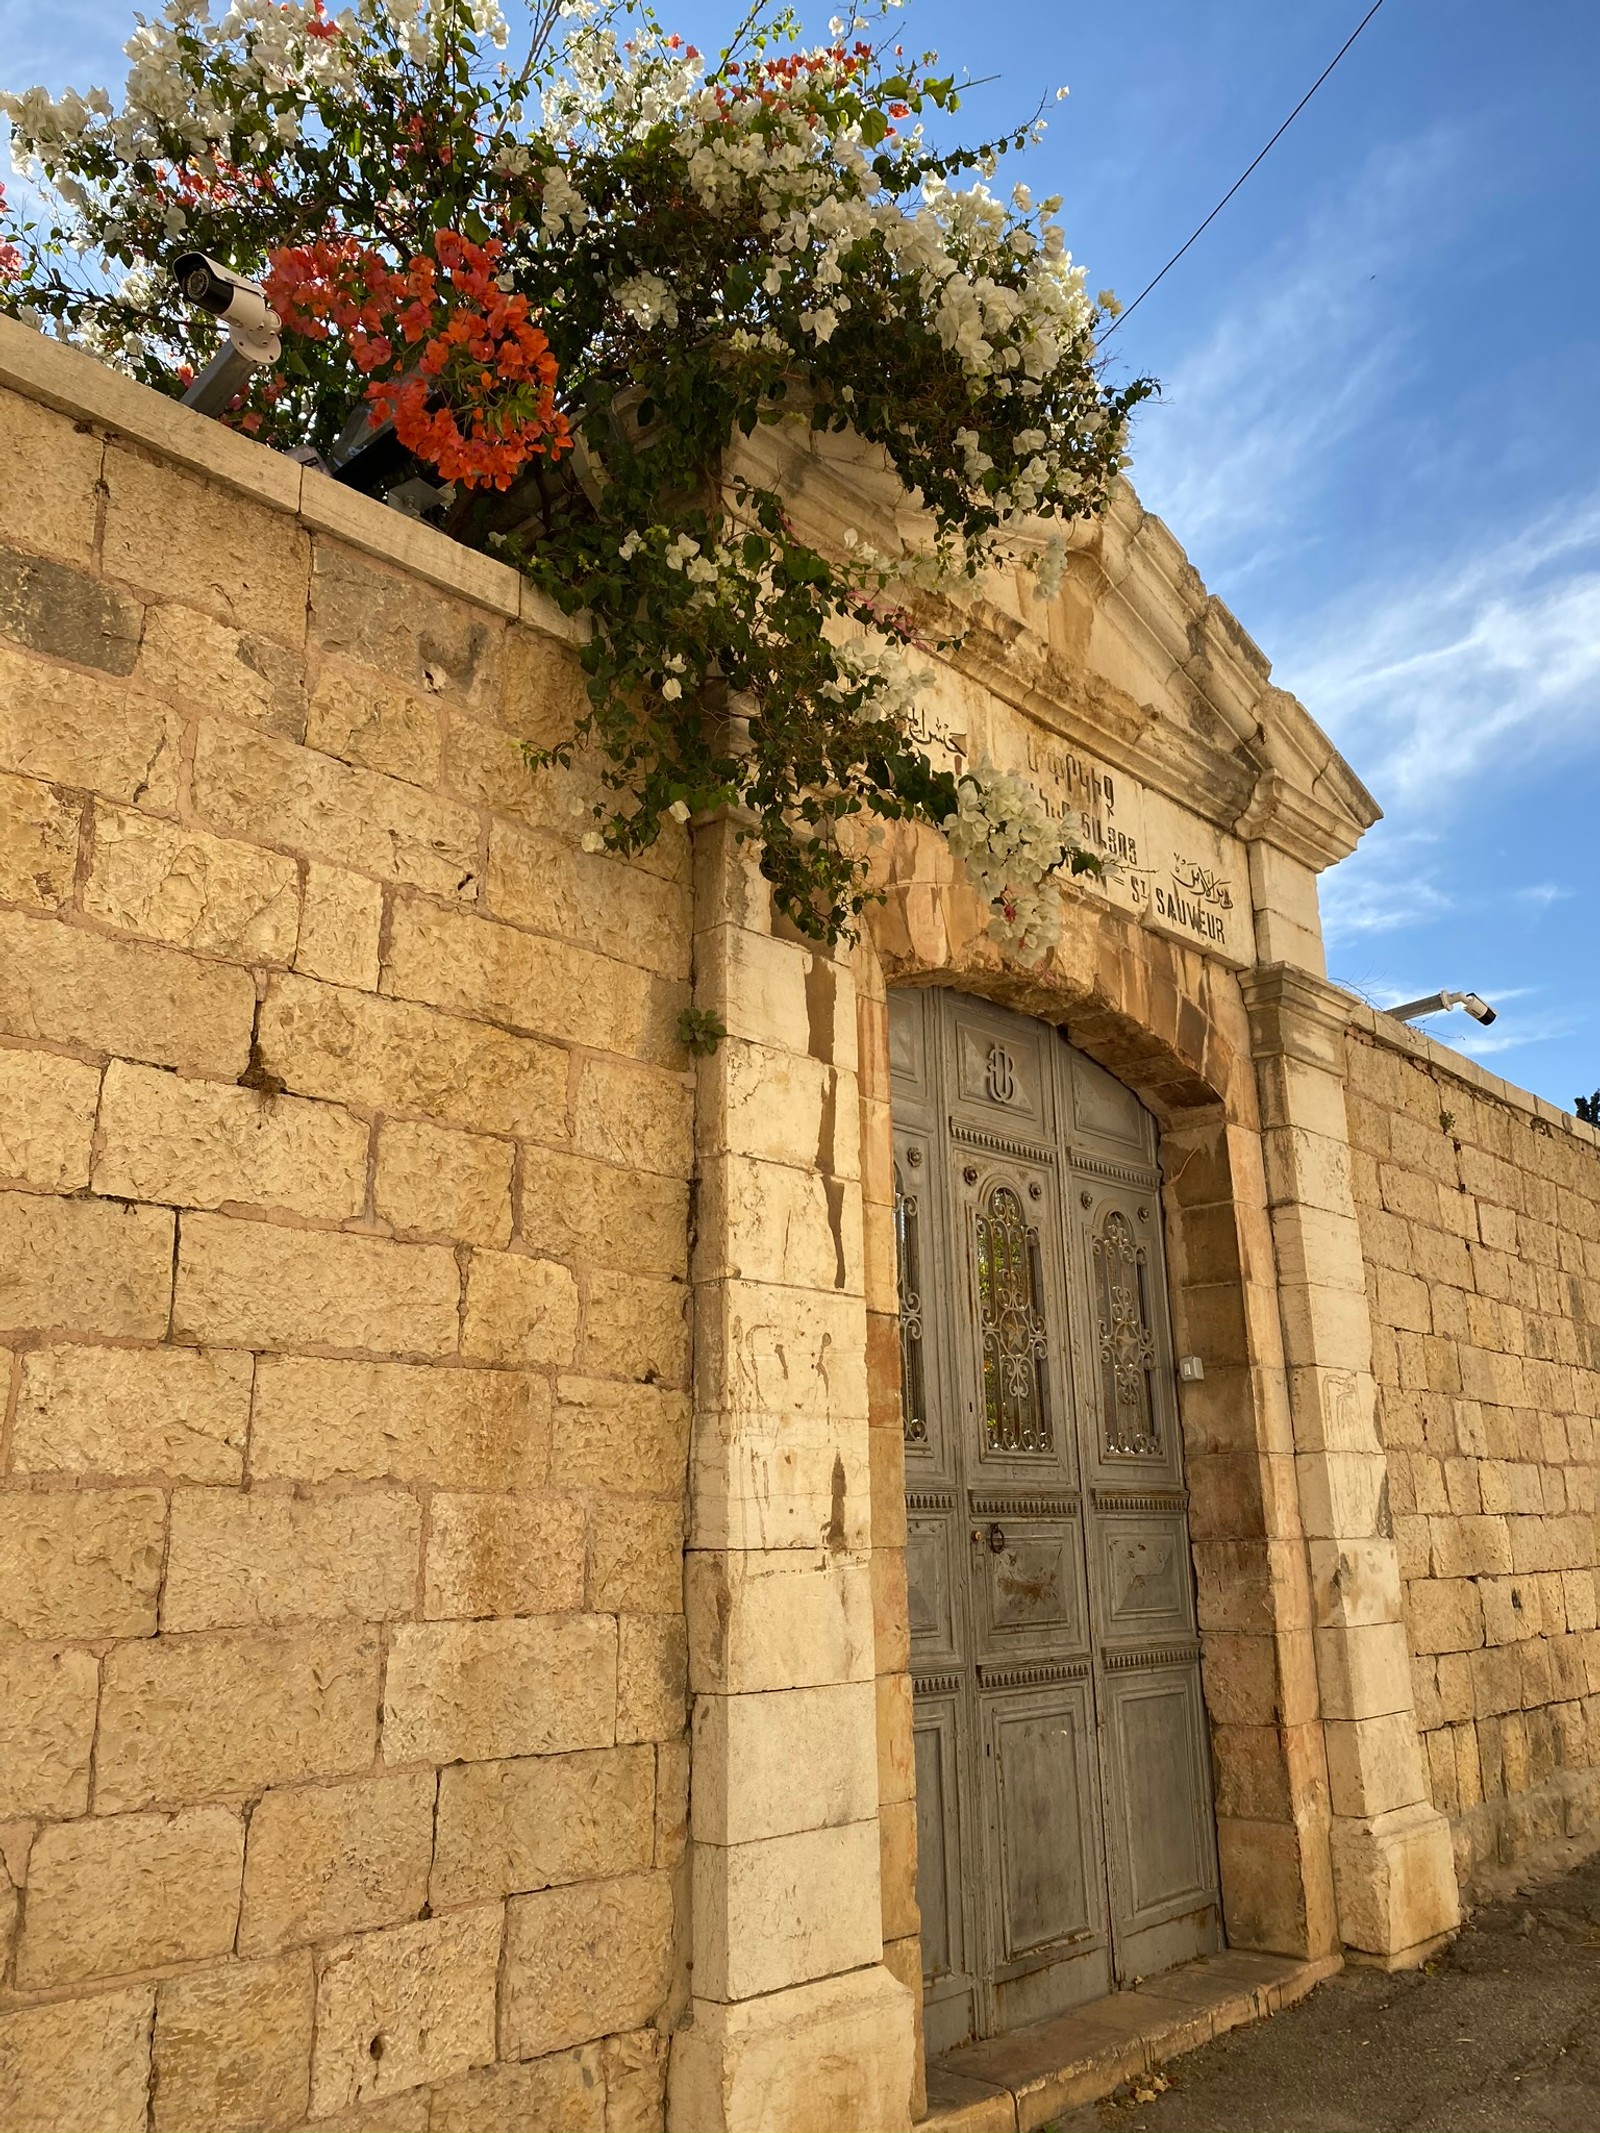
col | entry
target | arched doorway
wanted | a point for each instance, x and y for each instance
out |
(1066, 1841)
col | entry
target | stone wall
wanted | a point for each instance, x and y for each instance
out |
(1480, 1225)
(344, 1145)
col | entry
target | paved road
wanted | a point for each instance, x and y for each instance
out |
(1500, 2035)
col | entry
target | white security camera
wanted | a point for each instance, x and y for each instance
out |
(1437, 1002)
(240, 305)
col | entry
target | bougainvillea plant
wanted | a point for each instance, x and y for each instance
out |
(573, 282)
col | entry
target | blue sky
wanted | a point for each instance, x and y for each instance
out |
(1377, 437)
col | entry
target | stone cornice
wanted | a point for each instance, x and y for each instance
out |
(1294, 1015)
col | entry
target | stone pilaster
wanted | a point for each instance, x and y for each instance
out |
(796, 2024)
(1394, 1879)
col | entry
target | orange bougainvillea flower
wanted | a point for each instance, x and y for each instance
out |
(453, 360)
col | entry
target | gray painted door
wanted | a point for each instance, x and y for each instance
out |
(1064, 1822)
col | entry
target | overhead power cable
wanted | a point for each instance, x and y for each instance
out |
(1234, 187)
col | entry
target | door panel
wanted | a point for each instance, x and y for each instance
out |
(1060, 1732)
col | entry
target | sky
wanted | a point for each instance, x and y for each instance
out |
(1376, 436)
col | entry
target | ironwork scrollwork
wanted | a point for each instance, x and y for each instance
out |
(1126, 1338)
(908, 1263)
(1011, 1326)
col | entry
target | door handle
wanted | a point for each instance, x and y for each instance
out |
(997, 1540)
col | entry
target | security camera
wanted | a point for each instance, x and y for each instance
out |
(240, 305)
(1437, 1002)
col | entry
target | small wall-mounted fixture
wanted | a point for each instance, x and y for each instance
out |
(1437, 1002)
(1191, 1368)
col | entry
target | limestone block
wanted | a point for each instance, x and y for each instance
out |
(386, 619)
(205, 1144)
(830, 2057)
(771, 1223)
(1318, 1246)
(234, 1560)
(47, 1707)
(790, 1759)
(897, 1871)
(341, 916)
(82, 1266)
(406, 2113)
(455, 1185)
(141, 1002)
(1331, 1326)
(584, 1961)
(1445, 1614)
(542, 880)
(896, 1772)
(785, 1909)
(78, 2063)
(1342, 1494)
(452, 959)
(47, 1108)
(637, 1328)
(504, 1555)
(1364, 1672)
(1374, 1764)
(469, 1691)
(564, 2092)
(538, 1821)
(520, 1310)
(86, 731)
(398, 2008)
(38, 843)
(1354, 1582)
(200, 1717)
(54, 465)
(762, 1350)
(129, 1892)
(1335, 1410)
(652, 1677)
(179, 1412)
(1394, 1876)
(366, 718)
(777, 1107)
(615, 1436)
(263, 790)
(175, 884)
(326, 1859)
(81, 1566)
(636, 1556)
(789, 994)
(591, 1212)
(672, 1802)
(1305, 1167)
(461, 1429)
(252, 1284)
(778, 1620)
(763, 1482)
(187, 655)
(636, 2081)
(66, 614)
(233, 2047)
(358, 1048)
(245, 563)
(637, 1117)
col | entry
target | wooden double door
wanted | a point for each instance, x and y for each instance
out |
(1066, 1844)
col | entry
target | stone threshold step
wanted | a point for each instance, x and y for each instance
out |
(1016, 2083)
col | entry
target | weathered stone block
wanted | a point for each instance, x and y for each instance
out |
(78, 2063)
(443, 1184)
(81, 1266)
(600, 1216)
(258, 788)
(179, 1412)
(201, 1717)
(790, 1759)
(652, 1677)
(205, 1144)
(584, 1961)
(1394, 1875)
(38, 843)
(508, 1827)
(615, 1436)
(47, 1107)
(456, 1429)
(672, 1802)
(389, 1055)
(327, 1859)
(386, 620)
(115, 1893)
(233, 2047)
(175, 884)
(341, 916)
(141, 1002)
(365, 718)
(47, 1709)
(187, 656)
(637, 1328)
(777, 1620)
(637, 1117)
(81, 1566)
(254, 1285)
(1374, 1764)
(470, 1691)
(830, 2057)
(240, 559)
(636, 1556)
(238, 1560)
(86, 731)
(562, 2093)
(54, 465)
(403, 2007)
(542, 880)
(504, 1555)
(785, 1909)
(520, 1310)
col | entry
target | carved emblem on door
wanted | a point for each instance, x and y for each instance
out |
(1000, 1075)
